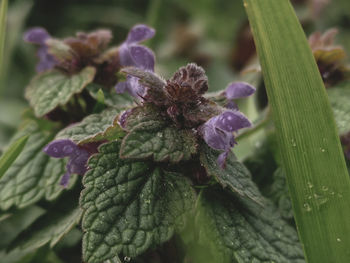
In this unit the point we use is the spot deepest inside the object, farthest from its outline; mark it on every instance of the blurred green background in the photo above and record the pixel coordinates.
(213, 33)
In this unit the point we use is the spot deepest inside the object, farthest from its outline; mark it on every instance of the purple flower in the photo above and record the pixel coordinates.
(77, 157)
(39, 36)
(217, 132)
(132, 86)
(237, 90)
(131, 53)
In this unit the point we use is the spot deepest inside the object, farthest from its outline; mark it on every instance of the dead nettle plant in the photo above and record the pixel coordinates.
(137, 163)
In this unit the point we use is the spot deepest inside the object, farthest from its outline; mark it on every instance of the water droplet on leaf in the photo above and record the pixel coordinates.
(307, 207)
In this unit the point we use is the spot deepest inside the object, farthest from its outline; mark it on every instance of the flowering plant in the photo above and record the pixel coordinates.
(136, 167)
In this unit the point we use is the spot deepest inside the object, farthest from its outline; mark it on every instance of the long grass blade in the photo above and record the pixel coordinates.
(3, 16)
(311, 152)
(11, 154)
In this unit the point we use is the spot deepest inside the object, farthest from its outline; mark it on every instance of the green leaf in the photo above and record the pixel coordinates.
(339, 99)
(48, 230)
(3, 18)
(111, 98)
(100, 102)
(34, 174)
(130, 206)
(309, 142)
(261, 163)
(93, 128)
(242, 231)
(278, 192)
(235, 175)
(11, 154)
(161, 142)
(54, 88)
(141, 114)
(18, 221)
(113, 260)
(10, 228)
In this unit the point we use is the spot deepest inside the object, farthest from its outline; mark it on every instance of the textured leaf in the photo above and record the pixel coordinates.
(114, 260)
(339, 99)
(11, 154)
(130, 206)
(48, 229)
(10, 228)
(34, 174)
(242, 231)
(148, 79)
(236, 176)
(95, 127)
(17, 222)
(111, 98)
(159, 141)
(141, 114)
(53, 88)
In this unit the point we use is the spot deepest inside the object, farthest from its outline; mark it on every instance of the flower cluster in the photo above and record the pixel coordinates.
(91, 49)
(72, 54)
(181, 100)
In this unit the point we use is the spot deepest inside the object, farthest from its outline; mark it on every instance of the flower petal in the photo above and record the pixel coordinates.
(65, 179)
(121, 87)
(125, 58)
(215, 138)
(231, 121)
(60, 148)
(36, 35)
(132, 86)
(142, 57)
(239, 90)
(140, 33)
(46, 61)
(222, 159)
(78, 162)
(231, 105)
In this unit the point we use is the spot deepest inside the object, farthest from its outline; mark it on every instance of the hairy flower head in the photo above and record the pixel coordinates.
(180, 99)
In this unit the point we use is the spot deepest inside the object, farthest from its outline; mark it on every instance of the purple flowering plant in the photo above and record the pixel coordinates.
(142, 146)
(151, 161)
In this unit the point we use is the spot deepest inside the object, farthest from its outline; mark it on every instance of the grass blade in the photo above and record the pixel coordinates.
(12, 153)
(317, 178)
(3, 16)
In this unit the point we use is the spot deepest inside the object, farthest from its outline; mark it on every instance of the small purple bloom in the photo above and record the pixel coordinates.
(78, 157)
(39, 36)
(133, 54)
(132, 86)
(217, 132)
(237, 90)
